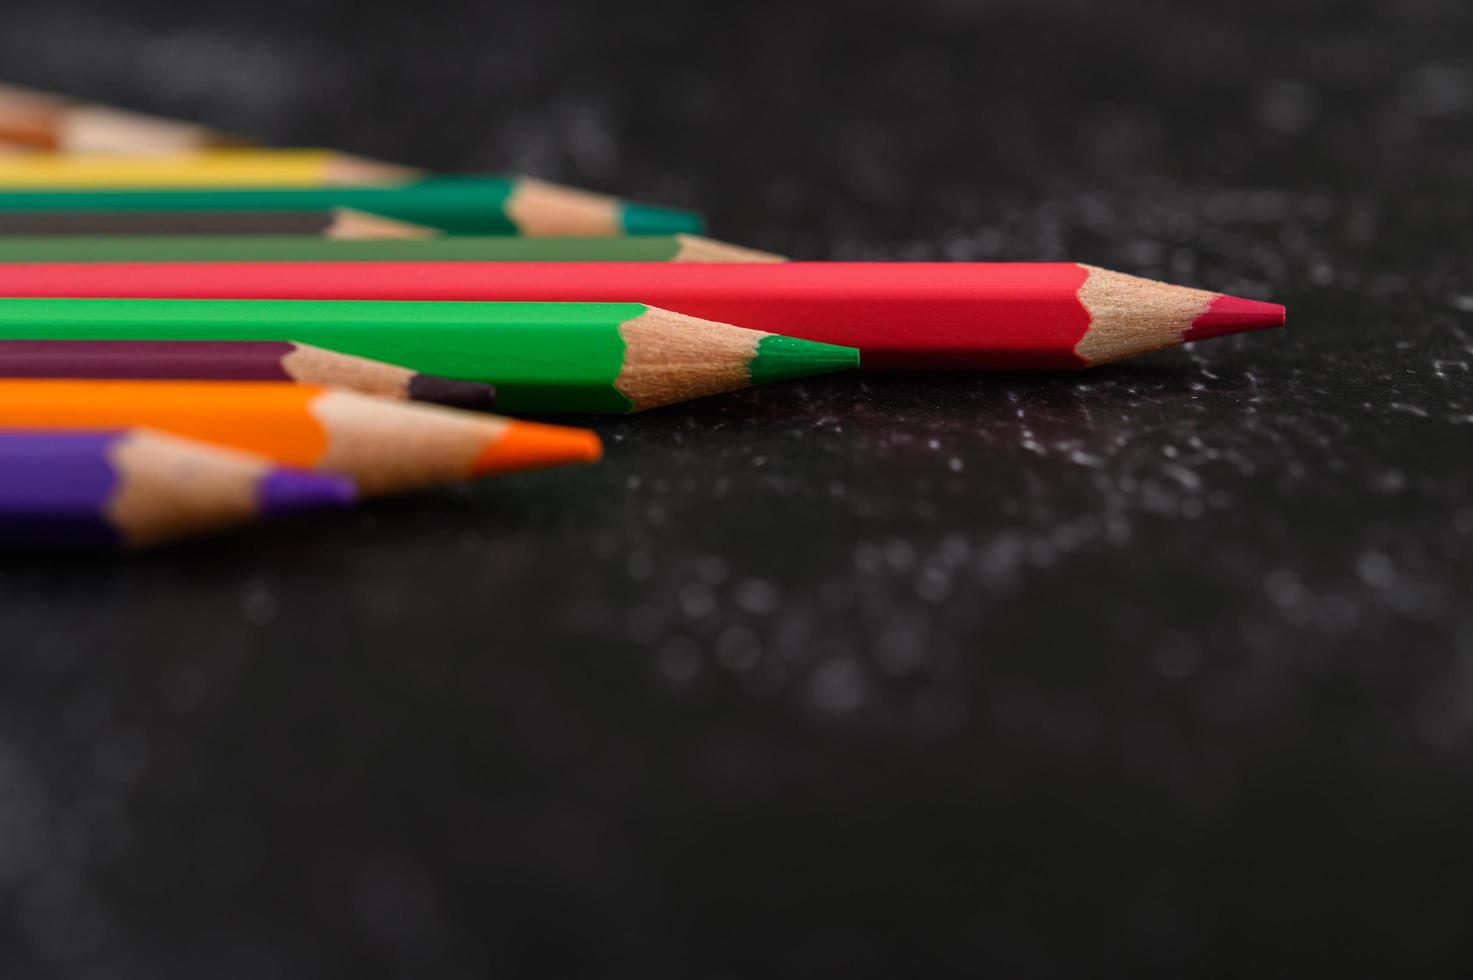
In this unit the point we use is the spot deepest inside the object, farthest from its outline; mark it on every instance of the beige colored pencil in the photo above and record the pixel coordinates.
(43, 121)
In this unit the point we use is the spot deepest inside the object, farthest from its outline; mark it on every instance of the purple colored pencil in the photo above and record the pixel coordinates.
(234, 360)
(135, 488)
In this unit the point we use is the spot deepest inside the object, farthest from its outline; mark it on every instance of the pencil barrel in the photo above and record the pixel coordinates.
(139, 488)
(306, 248)
(479, 204)
(940, 316)
(602, 358)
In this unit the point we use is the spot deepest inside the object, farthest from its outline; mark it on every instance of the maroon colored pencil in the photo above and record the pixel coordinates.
(341, 223)
(233, 360)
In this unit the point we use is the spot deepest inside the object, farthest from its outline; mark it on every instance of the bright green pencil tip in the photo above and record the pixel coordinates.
(788, 357)
(646, 219)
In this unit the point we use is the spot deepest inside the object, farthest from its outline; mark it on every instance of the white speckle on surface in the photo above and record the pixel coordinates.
(738, 648)
(640, 564)
(645, 623)
(1014, 701)
(229, 851)
(1187, 478)
(697, 600)
(1178, 658)
(1284, 588)
(395, 899)
(1444, 717)
(868, 558)
(933, 584)
(756, 596)
(1287, 105)
(258, 603)
(1082, 458)
(60, 915)
(900, 649)
(120, 754)
(1375, 569)
(899, 554)
(837, 687)
(678, 660)
(182, 686)
(711, 569)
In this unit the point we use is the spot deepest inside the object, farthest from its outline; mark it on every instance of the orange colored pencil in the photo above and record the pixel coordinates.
(384, 445)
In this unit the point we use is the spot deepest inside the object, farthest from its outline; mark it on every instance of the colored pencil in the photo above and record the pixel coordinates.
(542, 357)
(900, 315)
(214, 168)
(136, 488)
(41, 120)
(383, 445)
(335, 223)
(305, 248)
(463, 204)
(234, 360)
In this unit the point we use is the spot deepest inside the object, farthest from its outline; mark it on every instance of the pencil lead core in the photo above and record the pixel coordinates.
(646, 219)
(532, 445)
(781, 357)
(1229, 315)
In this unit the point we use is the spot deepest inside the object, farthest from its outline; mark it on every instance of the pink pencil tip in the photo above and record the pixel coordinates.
(1229, 314)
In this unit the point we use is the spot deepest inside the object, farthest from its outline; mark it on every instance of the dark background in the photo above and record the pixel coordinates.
(1163, 668)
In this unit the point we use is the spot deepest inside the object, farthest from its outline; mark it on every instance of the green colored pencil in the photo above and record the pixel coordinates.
(542, 357)
(312, 248)
(458, 204)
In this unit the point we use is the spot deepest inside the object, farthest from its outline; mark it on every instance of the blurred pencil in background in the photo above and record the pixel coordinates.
(306, 248)
(383, 445)
(234, 360)
(343, 224)
(213, 168)
(461, 204)
(137, 488)
(42, 121)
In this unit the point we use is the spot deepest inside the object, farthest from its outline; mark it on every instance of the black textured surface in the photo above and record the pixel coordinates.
(1167, 667)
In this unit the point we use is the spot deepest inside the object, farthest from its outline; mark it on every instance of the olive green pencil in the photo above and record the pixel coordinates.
(608, 358)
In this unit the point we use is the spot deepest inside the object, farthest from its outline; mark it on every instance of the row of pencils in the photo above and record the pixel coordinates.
(196, 332)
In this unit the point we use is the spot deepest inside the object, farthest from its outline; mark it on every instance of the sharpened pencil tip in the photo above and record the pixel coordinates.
(532, 445)
(1229, 315)
(781, 357)
(646, 219)
(285, 490)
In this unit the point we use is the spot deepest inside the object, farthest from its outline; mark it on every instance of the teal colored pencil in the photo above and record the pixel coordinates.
(457, 204)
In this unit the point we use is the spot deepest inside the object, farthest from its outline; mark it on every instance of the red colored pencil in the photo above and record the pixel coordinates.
(900, 315)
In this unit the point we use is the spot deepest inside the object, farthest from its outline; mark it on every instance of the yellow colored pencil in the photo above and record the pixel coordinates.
(213, 168)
